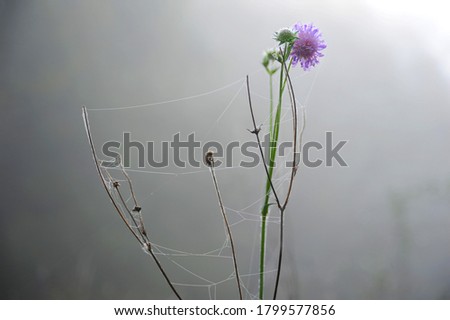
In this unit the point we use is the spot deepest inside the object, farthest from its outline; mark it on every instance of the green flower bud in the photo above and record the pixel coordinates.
(268, 57)
(285, 35)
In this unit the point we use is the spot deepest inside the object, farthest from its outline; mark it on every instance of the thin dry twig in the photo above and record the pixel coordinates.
(291, 180)
(137, 208)
(295, 134)
(140, 234)
(256, 131)
(209, 160)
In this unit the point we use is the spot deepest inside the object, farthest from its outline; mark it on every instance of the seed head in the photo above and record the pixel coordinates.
(209, 158)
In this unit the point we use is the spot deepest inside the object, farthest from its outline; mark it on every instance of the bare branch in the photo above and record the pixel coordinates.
(256, 131)
(291, 180)
(295, 134)
(209, 160)
(142, 242)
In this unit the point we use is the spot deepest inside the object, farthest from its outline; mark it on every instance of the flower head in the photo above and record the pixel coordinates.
(306, 48)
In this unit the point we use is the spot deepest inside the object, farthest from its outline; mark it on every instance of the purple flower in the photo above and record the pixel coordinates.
(306, 49)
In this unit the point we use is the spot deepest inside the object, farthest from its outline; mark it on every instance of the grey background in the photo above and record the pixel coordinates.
(375, 230)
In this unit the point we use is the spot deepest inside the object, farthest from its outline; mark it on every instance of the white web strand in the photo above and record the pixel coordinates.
(152, 104)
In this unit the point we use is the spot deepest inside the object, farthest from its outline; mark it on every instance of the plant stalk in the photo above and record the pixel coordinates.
(273, 142)
(227, 225)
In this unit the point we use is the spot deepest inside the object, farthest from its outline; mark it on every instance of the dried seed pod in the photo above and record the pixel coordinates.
(209, 158)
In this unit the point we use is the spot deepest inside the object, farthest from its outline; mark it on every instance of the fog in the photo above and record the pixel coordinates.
(377, 229)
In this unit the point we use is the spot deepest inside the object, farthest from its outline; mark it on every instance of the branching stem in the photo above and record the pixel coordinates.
(140, 236)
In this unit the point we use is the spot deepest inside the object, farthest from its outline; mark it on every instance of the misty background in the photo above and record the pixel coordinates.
(378, 229)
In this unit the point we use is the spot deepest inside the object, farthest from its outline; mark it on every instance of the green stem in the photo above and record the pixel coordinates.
(265, 208)
(271, 105)
(262, 257)
(273, 141)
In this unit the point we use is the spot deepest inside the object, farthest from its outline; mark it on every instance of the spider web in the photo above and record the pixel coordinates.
(199, 268)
